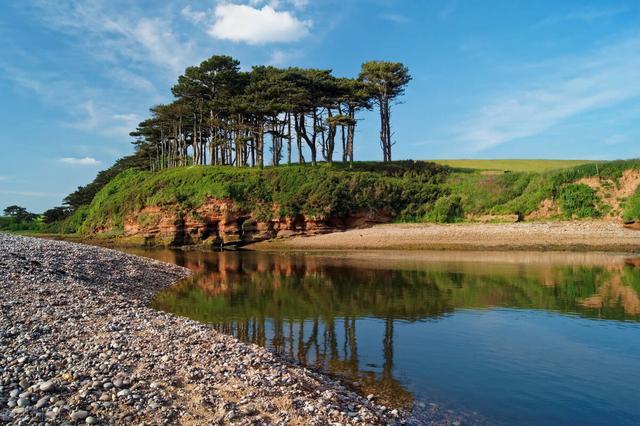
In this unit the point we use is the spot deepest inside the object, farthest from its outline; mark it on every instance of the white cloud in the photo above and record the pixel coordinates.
(85, 161)
(243, 23)
(5, 178)
(593, 82)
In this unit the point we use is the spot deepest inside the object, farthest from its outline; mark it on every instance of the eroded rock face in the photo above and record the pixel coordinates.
(218, 222)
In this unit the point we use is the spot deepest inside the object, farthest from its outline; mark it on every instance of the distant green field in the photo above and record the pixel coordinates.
(513, 165)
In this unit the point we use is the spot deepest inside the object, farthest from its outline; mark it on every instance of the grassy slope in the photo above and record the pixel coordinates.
(522, 193)
(409, 191)
(519, 165)
(326, 190)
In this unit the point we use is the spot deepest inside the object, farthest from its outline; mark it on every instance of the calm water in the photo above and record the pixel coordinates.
(526, 338)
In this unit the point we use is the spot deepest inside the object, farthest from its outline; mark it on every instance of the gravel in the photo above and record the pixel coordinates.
(80, 345)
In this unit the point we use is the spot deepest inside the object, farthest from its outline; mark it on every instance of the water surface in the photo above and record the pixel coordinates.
(501, 338)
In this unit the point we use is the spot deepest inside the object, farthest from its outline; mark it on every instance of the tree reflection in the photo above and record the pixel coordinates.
(309, 308)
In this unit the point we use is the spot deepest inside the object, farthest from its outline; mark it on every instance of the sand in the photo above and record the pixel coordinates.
(574, 236)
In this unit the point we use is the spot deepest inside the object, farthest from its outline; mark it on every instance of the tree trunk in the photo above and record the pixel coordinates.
(289, 139)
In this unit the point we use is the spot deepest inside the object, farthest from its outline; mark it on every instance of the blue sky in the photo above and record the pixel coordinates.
(491, 79)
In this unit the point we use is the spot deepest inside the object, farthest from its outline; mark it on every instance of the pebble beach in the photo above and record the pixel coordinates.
(81, 346)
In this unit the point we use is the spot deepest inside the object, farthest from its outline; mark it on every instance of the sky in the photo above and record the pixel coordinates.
(491, 78)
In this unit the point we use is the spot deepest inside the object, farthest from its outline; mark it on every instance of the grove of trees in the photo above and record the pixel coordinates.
(224, 116)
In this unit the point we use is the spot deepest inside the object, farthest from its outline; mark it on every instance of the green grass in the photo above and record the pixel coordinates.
(513, 165)
(323, 191)
(407, 191)
(632, 208)
(522, 192)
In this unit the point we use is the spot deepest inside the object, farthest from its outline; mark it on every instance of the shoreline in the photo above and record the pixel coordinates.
(80, 344)
(580, 236)
(575, 236)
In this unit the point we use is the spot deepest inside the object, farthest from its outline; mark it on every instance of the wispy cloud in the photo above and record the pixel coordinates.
(281, 57)
(393, 17)
(565, 89)
(194, 16)
(132, 80)
(585, 15)
(247, 24)
(126, 44)
(104, 27)
(297, 4)
(617, 139)
(448, 9)
(85, 161)
(89, 121)
(5, 178)
(77, 99)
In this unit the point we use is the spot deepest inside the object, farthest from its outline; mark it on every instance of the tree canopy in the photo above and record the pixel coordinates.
(20, 214)
(386, 81)
(222, 115)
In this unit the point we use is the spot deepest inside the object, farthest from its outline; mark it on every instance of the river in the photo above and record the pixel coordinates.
(497, 338)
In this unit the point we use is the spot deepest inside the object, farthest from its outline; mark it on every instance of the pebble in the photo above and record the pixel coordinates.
(79, 415)
(42, 402)
(48, 386)
(75, 321)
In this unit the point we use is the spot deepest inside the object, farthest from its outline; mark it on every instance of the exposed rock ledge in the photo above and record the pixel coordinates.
(79, 344)
(218, 222)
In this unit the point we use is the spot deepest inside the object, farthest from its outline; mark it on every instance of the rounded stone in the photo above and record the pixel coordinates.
(124, 392)
(42, 402)
(47, 386)
(79, 415)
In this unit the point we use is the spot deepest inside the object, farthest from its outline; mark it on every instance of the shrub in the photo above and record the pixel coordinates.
(447, 209)
(56, 214)
(579, 201)
(632, 208)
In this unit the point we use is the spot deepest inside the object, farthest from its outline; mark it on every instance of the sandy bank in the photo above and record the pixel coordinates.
(79, 344)
(581, 236)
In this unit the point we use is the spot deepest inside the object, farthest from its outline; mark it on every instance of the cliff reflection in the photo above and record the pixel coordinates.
(318, 309)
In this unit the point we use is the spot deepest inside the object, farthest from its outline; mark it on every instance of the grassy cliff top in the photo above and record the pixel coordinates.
(408, 191)
(513, 165)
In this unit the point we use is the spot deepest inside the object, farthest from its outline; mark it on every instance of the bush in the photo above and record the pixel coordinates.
(447, 209)
(632, 208)
(56, 214)
(578, 201)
